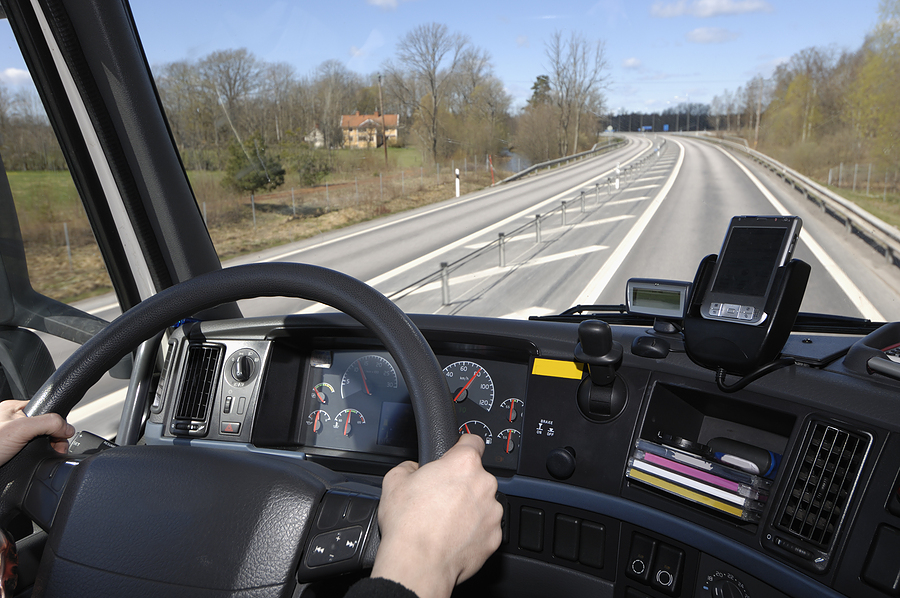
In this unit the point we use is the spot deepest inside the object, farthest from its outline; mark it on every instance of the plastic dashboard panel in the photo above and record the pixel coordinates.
(556, 522)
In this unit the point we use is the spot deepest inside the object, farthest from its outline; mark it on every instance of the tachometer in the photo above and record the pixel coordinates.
(468, 380)
(368, 375)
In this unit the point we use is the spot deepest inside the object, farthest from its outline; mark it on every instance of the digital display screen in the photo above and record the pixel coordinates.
(656, 299)
(749, 260)
(397, 426)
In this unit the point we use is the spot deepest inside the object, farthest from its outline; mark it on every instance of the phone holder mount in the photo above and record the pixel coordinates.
(741, 349)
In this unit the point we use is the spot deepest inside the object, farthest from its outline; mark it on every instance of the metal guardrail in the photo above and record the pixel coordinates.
(855, 219)
(594, 150)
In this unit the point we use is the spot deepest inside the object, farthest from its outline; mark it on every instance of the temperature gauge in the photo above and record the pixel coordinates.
(322, 391)
(512, 409)
(346, 419)
(509, 439)
(477, 427)
(317, 419)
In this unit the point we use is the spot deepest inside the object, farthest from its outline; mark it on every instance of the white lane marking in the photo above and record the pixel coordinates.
(488, 193)
(497, 270)
(469, 238)
(80, 414)
(865, 307)
(530, 237)
(605, 274)
(642, 187)
(524, 314)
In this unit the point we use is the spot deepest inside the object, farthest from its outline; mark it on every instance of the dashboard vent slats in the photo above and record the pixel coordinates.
(829, 468)
(200, 376)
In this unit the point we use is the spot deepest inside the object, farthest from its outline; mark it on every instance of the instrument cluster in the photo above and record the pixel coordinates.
(357, 401)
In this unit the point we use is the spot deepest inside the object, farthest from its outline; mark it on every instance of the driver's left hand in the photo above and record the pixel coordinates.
(17, 429)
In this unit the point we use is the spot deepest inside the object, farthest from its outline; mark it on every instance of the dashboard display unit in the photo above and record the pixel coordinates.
(754, 248)
(659, 298)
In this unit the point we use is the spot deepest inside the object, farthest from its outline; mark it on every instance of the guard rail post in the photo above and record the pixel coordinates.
(537, 228)
(597, 192)
(563, 213)
(445, 284)
(501, 240)
(582, 202)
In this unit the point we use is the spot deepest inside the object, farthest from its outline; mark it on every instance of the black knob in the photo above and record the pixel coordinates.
(595, 337)
(561, 463)
(242, 368)
(724, 588)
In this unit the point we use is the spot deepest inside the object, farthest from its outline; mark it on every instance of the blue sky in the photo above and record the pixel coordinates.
(660, 52)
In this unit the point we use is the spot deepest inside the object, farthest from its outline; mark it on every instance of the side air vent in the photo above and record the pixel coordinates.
(820, 494)
(201, 374)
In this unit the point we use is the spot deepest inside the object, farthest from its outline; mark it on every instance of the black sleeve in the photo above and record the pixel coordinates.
(378, 587)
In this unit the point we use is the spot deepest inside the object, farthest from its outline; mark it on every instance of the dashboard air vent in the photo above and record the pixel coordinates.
(200, 375)
(830, 464)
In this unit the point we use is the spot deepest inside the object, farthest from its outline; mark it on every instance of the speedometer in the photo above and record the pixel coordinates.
(468, 380)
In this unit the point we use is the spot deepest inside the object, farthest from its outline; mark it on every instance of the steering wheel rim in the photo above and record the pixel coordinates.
(435, 420)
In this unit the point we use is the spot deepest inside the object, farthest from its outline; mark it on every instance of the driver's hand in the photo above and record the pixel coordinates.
(17, 429)
(439, 522)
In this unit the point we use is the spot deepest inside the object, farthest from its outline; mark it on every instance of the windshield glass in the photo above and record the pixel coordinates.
(366, 137)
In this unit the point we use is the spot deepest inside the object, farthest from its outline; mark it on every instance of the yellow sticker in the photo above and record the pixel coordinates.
(557, 369)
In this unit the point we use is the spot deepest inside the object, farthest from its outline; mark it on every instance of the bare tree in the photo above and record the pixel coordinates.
(578, 72)
(431, 56)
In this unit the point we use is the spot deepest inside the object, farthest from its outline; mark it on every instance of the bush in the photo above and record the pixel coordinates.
(249, 169)
(313, 167)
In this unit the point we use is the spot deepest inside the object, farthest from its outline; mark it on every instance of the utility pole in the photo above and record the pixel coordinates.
(383, 127)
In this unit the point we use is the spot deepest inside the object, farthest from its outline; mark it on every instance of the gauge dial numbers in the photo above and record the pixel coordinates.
(317, 420)
(479, 428)
(367, 375)
(468, 380)
(509, 440)
(347, 420)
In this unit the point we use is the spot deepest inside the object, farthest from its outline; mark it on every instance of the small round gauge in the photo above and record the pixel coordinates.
(476, 427)
(317, 419)
(347, 419)
(368, 375)
(512, 409)
(509, 439)
(468, 380)
(321, 392)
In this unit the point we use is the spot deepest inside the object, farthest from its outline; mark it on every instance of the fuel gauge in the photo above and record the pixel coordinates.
(476, 427)
(322, 391)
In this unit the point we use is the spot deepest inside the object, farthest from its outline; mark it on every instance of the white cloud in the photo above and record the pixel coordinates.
(522, 41)
(632, 63)
(710, 35)
(14, 76)
(385, 4)
(708, 8)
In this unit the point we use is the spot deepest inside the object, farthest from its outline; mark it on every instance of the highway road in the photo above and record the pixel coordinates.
(659, 223)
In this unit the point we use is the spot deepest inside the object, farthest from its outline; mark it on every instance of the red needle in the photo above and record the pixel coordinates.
(466, 426)
(463, 389)
(511, 405)
(346, 423)
(363, 374)
(318, 394)
(508, 438)
(316, 423)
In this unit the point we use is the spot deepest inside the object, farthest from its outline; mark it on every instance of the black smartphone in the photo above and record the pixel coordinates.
(754, 248)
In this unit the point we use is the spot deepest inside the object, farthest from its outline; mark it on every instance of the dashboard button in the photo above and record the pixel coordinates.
(593, 539)
(666, 574)
(333, 508)
(333, 547)
(565, 538)
(230, 428)
(531, 529)
(640, 558)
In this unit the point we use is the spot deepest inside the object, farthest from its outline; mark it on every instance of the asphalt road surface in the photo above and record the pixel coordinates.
(664, 217)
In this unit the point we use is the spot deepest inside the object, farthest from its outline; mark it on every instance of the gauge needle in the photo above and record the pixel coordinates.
(508, 438)
(463, 389)
(346, 423)
(316, 423)
(363, 374)
(511, 405)
(320, 395)
(466, 426)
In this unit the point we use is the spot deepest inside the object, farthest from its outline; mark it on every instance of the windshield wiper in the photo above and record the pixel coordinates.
(805, 322)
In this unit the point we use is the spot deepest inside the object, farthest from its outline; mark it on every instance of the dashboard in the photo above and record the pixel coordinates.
(637, 505)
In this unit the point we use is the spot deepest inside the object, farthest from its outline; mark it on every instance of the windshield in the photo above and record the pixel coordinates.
(366, 137)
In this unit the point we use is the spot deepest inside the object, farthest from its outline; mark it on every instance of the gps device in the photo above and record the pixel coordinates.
(660, 298)
(754, 248)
